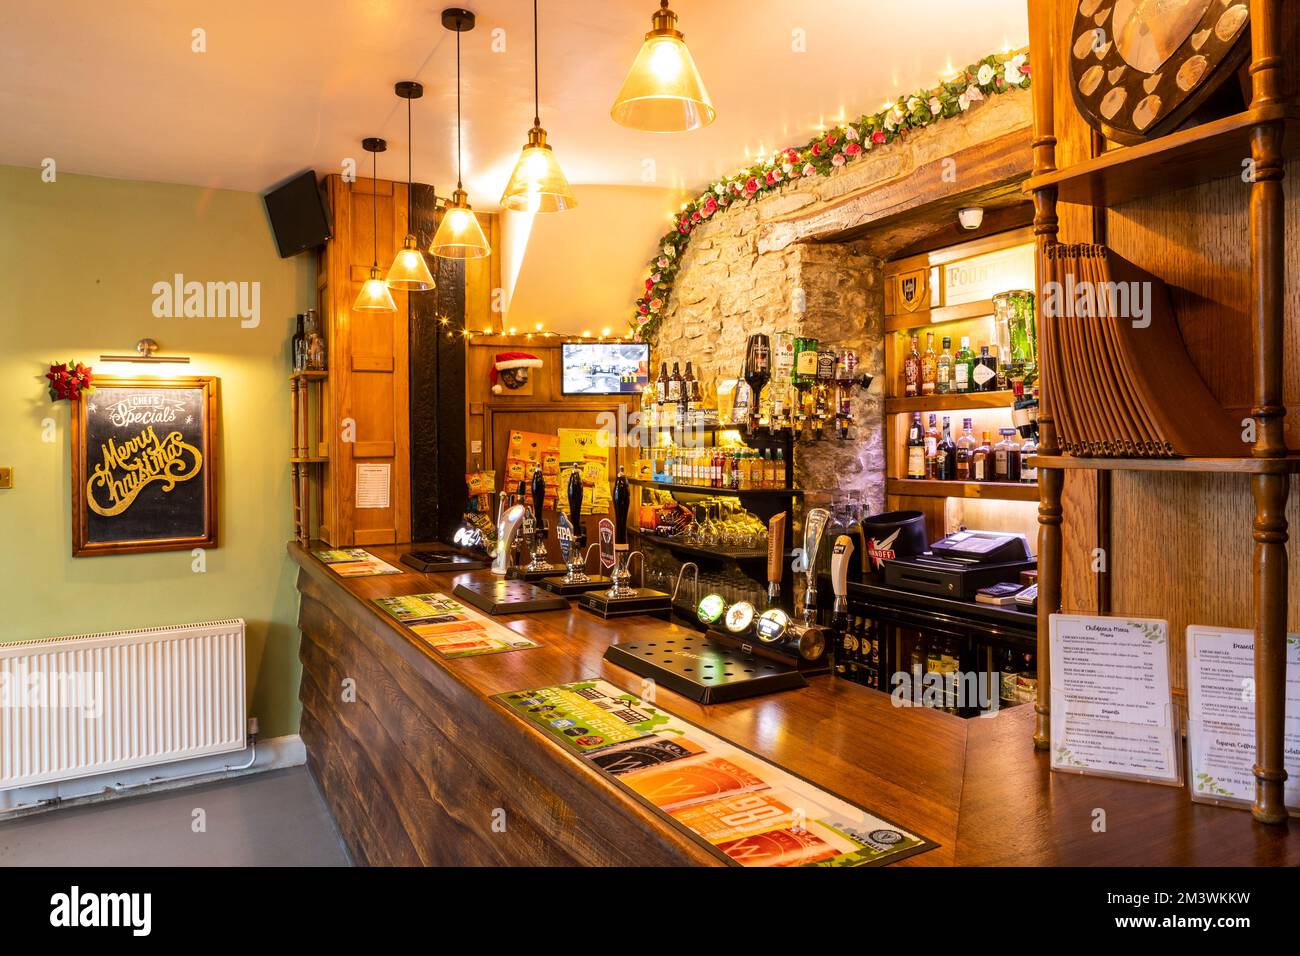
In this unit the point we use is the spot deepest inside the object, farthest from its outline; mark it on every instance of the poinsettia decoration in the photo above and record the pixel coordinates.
(830, 151)
(68, 380)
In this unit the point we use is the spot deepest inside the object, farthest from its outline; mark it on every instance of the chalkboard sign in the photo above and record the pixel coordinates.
(144, 466)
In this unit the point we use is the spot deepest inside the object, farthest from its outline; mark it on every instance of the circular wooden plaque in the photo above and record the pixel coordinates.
(1139, 68)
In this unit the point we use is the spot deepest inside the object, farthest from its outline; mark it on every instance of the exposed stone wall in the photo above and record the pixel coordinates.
(744, 271)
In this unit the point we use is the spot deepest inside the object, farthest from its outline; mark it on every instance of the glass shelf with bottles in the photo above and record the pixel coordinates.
(933, 454)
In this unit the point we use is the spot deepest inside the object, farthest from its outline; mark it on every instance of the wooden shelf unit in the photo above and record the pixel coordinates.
(309, 452)
(945, 504)
(1261, 137)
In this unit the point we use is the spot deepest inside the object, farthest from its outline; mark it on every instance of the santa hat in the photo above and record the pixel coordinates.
(507, 360)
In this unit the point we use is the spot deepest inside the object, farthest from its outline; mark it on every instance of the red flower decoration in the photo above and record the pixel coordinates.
(751, 185)
(878, 137)
(68, 380)
(817, 149)
(852, 149)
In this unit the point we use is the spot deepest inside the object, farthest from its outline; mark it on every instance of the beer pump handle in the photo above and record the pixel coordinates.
(622, 498)
(775, 551)
(575, 501)
(539, 495)
(814, 529)
(840, 557)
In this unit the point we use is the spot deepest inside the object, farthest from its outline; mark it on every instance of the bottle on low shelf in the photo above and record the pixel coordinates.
(916, 448)
(1028, 472)
(1006, 457)
(961, 366)
(981, 461)
(929, 366)
(947, 453)
(965, 451)
(932, 448)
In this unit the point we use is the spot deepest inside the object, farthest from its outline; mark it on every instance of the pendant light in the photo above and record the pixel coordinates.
(409, 272)
(663, 91)
(537, 184)
(459, 235)
(374, 296)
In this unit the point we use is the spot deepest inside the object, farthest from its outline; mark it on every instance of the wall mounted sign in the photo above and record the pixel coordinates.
(1112, 709)
(1140, 69)
(912, 290)
(144, 466)
(1221, 716)
(745, 809)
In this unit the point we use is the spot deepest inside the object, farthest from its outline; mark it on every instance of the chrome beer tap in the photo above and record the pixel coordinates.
(814, 530)
(620, 577)
(539, 564)
(569, 530)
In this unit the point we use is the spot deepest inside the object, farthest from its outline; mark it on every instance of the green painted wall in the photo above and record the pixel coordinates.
(78, 259)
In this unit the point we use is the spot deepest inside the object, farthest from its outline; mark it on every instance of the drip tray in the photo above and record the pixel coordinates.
(495, 596)
(702, 669)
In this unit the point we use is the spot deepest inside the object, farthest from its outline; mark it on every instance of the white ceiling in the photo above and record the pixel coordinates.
(113, 89)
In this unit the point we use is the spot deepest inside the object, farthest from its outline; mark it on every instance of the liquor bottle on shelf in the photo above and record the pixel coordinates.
(932, 448)
(961, 366)
(1006, 456)
(741, 400)
(673, 395)
(981, 460)
(912, 370)
(943, 369)
(686, 403)
(929, 366)
(916, 448)
(780, 470)
(661, 385)
(965, 451)
(315, 355)
(299, 346)
(804, 373)
(947, 453)
(984, 373)
(999, 363)
(1028, 472)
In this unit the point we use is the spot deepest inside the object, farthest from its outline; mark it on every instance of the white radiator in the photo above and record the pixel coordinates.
(72, 706)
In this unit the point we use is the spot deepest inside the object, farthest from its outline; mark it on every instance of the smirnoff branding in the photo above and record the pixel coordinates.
(881, 551)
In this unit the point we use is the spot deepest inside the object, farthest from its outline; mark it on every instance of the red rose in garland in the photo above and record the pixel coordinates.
(68, 380)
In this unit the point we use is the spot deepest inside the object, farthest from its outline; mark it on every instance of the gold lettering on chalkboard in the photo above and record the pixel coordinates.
(145, 458)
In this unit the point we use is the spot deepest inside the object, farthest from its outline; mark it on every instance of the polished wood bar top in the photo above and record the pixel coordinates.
(976, 787)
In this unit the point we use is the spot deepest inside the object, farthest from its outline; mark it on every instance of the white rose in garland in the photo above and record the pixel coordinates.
(985, 75)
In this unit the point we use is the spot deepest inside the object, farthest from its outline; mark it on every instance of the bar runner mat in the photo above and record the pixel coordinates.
(449, 627)
(746, 809)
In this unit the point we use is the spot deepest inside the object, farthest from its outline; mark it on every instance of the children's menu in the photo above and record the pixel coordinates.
(750, 811)
(449, 627)
(356, 563)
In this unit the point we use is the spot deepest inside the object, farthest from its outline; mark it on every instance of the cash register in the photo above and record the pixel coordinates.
(960, 564)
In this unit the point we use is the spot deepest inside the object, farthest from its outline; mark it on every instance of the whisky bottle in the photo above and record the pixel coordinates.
(943, 369)
(966, 446)
(912, 370)
(947, 453)
(932, 448)
(1006, 456)
(929, 366)
(981, 464)
(916, 448)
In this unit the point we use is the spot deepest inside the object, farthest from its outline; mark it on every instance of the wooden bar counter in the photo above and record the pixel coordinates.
(420, 766)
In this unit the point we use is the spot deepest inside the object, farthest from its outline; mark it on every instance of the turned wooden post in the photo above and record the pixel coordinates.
(1267, 274)
(1050, 480)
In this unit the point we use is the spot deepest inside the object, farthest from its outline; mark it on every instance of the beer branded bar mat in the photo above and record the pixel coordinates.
(748, 810)
(355, 563)
(449, 627)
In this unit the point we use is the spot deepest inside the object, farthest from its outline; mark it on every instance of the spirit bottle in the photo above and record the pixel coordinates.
(932, 448)
(299, 346)
(984, 373)
(661, 384)
(1006, 456)
(1028, 473)
(804, 373)
(947, 453)
(673, 393)
(912, 371)
(943, 369)
(981, 461)
(686, 402)
(916, 448)
(966, 446)
(961, 367)
(929, 366)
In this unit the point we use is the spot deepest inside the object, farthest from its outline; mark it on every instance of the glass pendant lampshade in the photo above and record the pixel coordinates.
(409, 272)
(459, 236)
(374, 296)
(538, 184)
(663, 91)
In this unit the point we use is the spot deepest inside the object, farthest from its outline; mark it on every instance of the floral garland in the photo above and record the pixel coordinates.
(997, 73)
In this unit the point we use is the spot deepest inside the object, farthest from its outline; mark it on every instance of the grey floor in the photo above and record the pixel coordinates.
(264, 819)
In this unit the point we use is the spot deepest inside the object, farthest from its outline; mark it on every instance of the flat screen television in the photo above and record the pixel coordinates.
(599, 368)
(298, 215)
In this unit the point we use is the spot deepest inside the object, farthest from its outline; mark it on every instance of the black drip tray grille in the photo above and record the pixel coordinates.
(495, 596)
(702, 669)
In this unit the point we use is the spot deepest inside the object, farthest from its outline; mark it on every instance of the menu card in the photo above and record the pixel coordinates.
(356, 563)
(748, 810)
(1221, 716)
(1112, 713)
(449, 627)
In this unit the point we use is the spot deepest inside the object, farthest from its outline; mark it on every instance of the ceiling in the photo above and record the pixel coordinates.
(114, 89)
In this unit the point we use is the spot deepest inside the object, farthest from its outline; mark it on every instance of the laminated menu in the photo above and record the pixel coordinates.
(1221, 716)
(1111, 706)
(356, 563)
(449, 627)
(746, 809)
